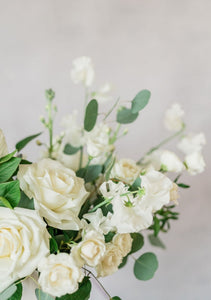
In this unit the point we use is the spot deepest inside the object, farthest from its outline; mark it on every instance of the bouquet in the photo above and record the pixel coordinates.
(80, 210)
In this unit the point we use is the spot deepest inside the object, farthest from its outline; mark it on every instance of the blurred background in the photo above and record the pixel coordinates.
(160, 45)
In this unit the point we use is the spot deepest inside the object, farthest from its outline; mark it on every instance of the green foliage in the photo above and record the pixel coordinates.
(7, 293)
(92, 172)
(140, 101)
(145, 266)
(126, 116)
(91, 115)
(18, 293)
(53, 246)
(70, 150)
(20, 145)
(115, 298)
(42, 296)
(136, 184)
(83, 293)
(26, 202)
(123, 263)
(138, 242)
(11, 192)
(49, 94)
(184, 186)
(108, 167)
(7, 157)
(109, 236)
(8, 168)
(156, 241)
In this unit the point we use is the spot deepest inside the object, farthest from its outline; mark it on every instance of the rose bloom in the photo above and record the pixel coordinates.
(123, 242)
(90, 250)
(173, 118)
(24, 240)
(126, 170)
(59, 275)
(110, 261)
(58, 193)
(3, 145)
(83, 71)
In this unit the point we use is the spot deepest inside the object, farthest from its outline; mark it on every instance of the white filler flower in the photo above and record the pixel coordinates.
(192, 143)
(59, 274)
(58, 193)
(24, 241)
(83, 71)
(3, 145)
(173, 118)
(195, 163)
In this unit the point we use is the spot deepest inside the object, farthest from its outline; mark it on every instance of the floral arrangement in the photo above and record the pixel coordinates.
(78, 212)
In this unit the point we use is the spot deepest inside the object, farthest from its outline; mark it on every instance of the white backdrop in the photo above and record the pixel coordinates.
(162, 45)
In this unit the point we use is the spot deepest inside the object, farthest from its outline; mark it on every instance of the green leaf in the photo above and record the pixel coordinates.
(145, 266)
(7, 157)
(116, 298)
(109, 236)
(20, 145)
(92, 172)
(81, 172)
(136, 184)
(42, 296)
(4, 202)
(53, 246)
(140, 101)
(156, 226)
(123, 263)
(184, 186)
(125, 116)
(6, 294)
(156, 241)
(91, 115)
(70, 150)
(8, 168)
(83, 293)
(26, 202)
(11, 192)
(138, 242)
(18, 293)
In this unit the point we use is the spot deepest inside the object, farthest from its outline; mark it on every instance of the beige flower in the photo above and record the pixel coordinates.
(126, 170)
(123, 242)
(174, 195)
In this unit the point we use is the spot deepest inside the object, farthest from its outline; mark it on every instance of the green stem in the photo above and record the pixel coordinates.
(107, 201)
(114, 137)
(50, 128)
(81, 158)
(165, 141)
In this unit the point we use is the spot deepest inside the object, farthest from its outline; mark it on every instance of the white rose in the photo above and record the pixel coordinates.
(90, 250)
(83, 71)
(173, 118)
(195, 163)
(110, 261)
(59, 275)
(123, 242)
(97, 140)
(192, 143)
(3, 145)
(126, 170)
(24, 240)
(58, 193)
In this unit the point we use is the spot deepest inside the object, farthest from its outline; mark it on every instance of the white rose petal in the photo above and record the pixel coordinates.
(58, 193)
(59, 274)
(173, 118)
(195, 163)
(83, 71)
(24, 240)
(126, 170)
(192, 143)
(3, 145)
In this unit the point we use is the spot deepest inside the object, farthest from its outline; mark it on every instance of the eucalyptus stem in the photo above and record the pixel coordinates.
(100, 284)
(165, 141)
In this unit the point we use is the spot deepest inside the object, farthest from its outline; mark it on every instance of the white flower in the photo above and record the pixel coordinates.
(110, 189)
(90, 250)
(195, 163)
(83, 71)
(3, 145)
(126, 170)
(98, 221)
(110, 261)
(123, 242)
(102, 95)
(173, 118)
(59, 274)
(97, 140)
(58, 193)
(24, 240)
(164, 158)
(192, 143)
(174, 195)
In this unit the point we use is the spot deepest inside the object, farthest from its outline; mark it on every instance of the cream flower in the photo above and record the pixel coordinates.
(126, 170)
(110, 261)
(174, 195)
(58, 193)
(192, 143)
(123, 242)
(3, 145)
(173, 118)
(24, 240)
(83, 71)
(90, 250)
(59, 274)
(195, 163)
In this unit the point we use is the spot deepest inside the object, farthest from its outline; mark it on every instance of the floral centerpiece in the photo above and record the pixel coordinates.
(78, 212)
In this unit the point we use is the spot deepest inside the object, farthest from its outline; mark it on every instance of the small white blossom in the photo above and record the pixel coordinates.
(192, 143)
(173, 118)
(102, 95)
(195, 163)
(83, 71)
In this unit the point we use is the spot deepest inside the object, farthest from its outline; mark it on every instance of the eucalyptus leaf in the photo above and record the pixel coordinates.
(140, 101)
(125, 116)
(83, 293)
(92, 172)
(184, 186)
(11, 192)
(42, 296)
(26, 202)
(138, 242)
(8, 168)
(20, 145)
(7, 157)
(156, 241)
(136, 184)
(91, 115)
(145, 266)
(18, 293)
(70, 150)
(6, 294)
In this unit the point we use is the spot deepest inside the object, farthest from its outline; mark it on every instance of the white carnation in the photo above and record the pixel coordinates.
(192, 143)
(59, 274)
(195, 163)
(173, 118)
(24, 240)
(3, 145)
(83, 71)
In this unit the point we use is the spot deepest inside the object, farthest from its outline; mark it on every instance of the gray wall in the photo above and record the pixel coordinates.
(162, 45)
